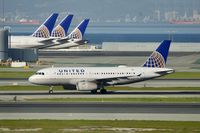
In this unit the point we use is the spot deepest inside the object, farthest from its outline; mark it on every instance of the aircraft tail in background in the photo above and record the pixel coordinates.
(62, 28)
(79, 31)
(44, 31)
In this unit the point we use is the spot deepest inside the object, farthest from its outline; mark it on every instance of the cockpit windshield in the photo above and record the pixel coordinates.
(39, 73)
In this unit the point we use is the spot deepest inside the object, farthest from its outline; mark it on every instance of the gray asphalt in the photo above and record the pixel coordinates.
(64, 54)
(149, 83)
(100, 107)
(101, 116)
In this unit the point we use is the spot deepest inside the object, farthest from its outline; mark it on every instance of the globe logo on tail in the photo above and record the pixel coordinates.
(76, 35)
(155, 60)
(42, 32)
(58, 32)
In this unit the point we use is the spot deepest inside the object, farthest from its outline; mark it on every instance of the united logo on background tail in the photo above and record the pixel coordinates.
(79, 31)
(159, 57)
(62, 28)
(46, 28)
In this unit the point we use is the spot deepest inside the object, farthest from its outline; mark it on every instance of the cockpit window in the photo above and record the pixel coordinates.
(39, 73)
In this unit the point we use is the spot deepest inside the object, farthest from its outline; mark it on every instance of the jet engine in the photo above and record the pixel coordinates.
(86, 86)
(69, 87)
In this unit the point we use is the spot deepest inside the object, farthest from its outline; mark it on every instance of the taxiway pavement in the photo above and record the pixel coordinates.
(101, 111)
(99, 107)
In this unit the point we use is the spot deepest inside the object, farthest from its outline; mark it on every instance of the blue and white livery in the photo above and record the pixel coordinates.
(159, 57)
(95, 78)
(39, 38)
(44, 31)
(75, 38)
(79, 31)
(62, 28)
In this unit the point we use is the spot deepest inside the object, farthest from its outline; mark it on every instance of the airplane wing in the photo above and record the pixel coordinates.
(46, 43)
(81, 42)
(122, 77)
(68, 40)
(63, 40)
(49, 40)
(107, 80)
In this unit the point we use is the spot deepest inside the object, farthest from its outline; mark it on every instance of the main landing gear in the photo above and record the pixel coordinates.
(94, 91)
(102, 91)
(51, 90)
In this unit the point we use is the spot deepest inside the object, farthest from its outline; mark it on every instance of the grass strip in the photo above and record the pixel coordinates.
(37, 88)
(182, 75)
(117, 100)
(13, 74)
(27, 88)
(102, 126)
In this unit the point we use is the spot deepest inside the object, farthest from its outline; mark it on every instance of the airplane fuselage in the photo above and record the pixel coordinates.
(106, 75)
(40, 43)
(94, 78)
(26, 41)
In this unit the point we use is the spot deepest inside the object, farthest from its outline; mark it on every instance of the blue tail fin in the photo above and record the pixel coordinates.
(62, 28)
(79, 31)
(46, 28)
(159, 57)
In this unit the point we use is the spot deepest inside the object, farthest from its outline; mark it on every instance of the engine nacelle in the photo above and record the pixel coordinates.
(86, 86)
(69, 87)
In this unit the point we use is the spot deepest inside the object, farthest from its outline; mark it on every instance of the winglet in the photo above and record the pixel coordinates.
(46, 28)
(62, 28)
(159, 57)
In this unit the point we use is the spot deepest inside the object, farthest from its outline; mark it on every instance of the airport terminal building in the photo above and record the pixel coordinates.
(27, 55)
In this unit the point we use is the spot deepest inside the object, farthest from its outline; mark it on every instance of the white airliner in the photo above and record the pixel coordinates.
(96, 78)
(42, 34)
(47, 37)
(74, 39)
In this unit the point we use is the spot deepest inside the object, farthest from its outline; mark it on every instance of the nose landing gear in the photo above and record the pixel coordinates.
(102, 91)
(51, 90)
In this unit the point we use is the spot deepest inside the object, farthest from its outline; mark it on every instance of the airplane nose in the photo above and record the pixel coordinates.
(35, 79)
(31, 79)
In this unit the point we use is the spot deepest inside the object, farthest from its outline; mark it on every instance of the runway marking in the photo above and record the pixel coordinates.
(100, 116)
(20, 130)
(107, 128)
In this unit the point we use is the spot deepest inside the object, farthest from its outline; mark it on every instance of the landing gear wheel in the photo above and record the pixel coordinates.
(103, 91)
(93, 91)
(51, 90)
